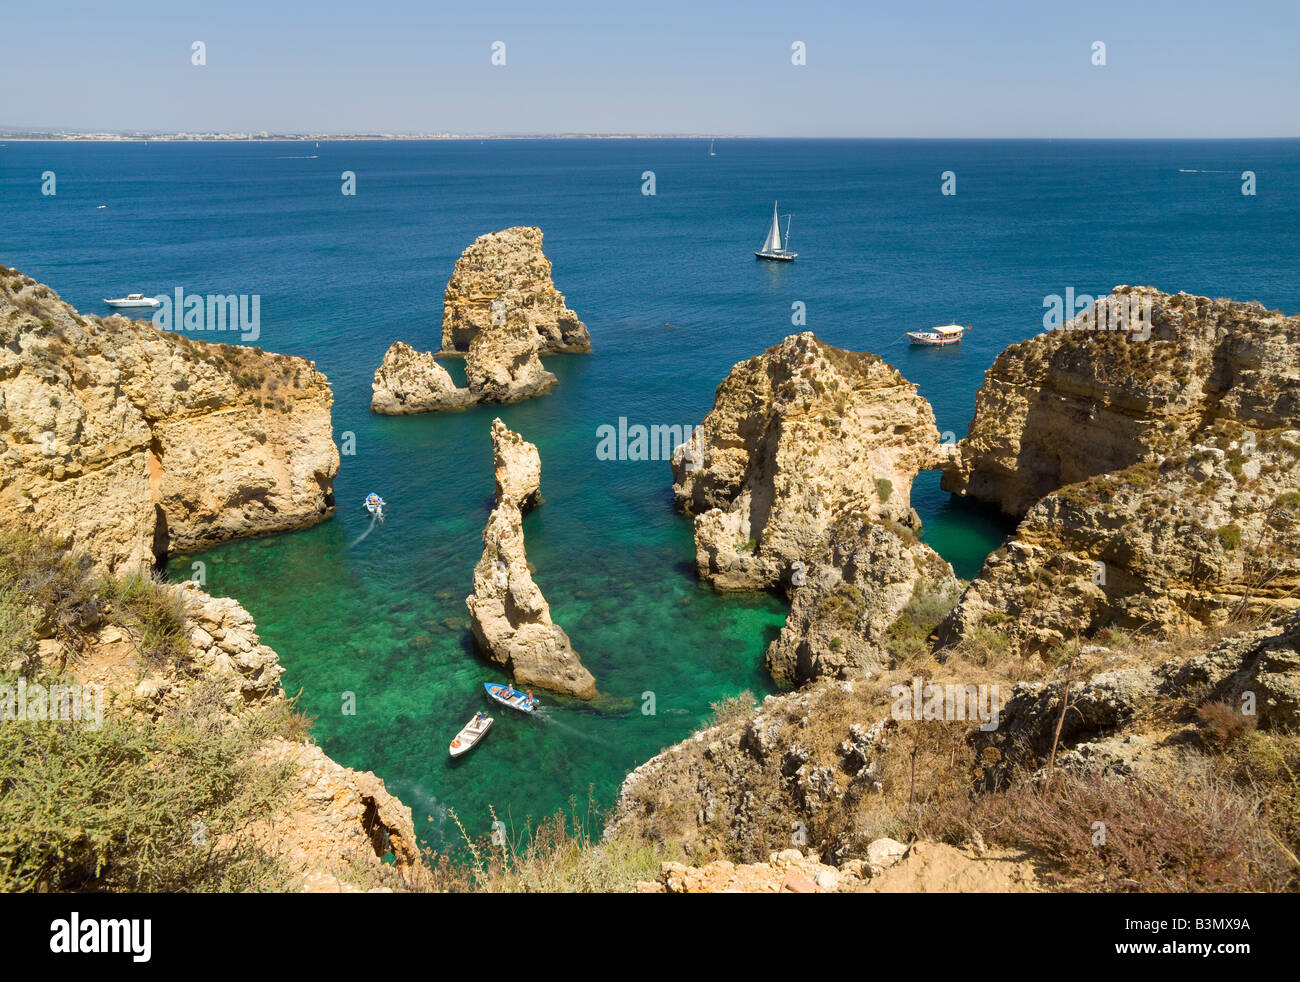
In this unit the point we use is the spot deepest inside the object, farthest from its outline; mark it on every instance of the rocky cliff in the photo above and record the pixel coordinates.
(503, 273)
(799, 439)
(132, 442)
(331, 828)
(510, 618)
(1158, 476)
(1091, 398)
(845, 603)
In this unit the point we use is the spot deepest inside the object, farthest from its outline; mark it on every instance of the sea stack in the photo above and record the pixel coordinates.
(131, 442)
(800, 438)
(504, 272)
(410, 381)
(510, 618)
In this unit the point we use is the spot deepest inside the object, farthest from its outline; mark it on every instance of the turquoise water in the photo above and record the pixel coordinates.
(672, 296)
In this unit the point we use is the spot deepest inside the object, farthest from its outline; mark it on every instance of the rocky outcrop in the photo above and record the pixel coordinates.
(334, 823)
(1156, 466)
(845, 602)
(517, 466)
(510, 618)
(891, 867)
(1119, 386)
(1206, 535)
(502, 364)
(1137, 719)
(502, 274)
(132, 442)
(799, 439)
(410, 381)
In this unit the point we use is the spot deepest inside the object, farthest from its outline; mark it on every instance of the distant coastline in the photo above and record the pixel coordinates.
(21, 135)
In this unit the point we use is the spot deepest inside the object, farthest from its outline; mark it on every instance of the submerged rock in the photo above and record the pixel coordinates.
(503, 273)
(132, 442)
(510, 618)
(410, 381)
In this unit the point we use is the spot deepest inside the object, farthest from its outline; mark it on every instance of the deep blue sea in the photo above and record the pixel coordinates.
(672, 295)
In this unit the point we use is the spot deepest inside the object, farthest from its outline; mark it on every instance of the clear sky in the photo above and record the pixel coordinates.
(931, 68)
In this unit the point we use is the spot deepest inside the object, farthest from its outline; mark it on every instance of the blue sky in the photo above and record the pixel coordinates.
(929, 68)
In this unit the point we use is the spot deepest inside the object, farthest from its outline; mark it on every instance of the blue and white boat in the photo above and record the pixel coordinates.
(512, 697)
(375, 505)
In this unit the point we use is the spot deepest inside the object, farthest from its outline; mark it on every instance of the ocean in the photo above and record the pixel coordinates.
(673, 297)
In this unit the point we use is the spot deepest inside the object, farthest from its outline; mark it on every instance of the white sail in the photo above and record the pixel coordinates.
(773, 241)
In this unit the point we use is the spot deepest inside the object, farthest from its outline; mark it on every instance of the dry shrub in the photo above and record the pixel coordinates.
(1202, 837)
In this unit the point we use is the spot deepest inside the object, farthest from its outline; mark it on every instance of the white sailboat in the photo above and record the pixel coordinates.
(773, 248)
(712, 152)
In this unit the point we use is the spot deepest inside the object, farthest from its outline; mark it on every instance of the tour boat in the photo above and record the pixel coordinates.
(772, 245)
(471, 733)
(134, 300)
(946, 334)
(375, 505)
(511, 697)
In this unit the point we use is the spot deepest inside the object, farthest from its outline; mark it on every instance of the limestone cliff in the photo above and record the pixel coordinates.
(1158, 476)
(510, 618)
(843, 605)
(799, 438)
(1070, 404)
(131, 442)
(410, 381)
(502, 273)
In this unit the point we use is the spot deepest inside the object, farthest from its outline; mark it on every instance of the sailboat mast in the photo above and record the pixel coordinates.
(787, 231)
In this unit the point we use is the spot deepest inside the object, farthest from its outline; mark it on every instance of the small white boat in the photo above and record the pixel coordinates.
(945, 334)
(773, 248)
(471, 733)
(375, 505)
(712, 152)
(134, 300)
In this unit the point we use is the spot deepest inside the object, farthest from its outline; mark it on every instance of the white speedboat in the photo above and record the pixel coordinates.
(134, 300)
(471, 733)
(945, 334)
(773, 247)
(375, 505)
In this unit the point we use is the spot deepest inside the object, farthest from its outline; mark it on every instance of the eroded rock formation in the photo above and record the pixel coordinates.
(506, 273)
(410, 381)
(502, 364)
(510, 618)
(1158, 476)
(799, 439)
(131, 442)
(845, 602)
(334, 824)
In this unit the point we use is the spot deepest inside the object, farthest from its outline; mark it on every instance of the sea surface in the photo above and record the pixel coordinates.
(673, 297)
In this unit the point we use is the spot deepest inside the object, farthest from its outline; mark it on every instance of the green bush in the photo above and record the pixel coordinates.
(134, 806)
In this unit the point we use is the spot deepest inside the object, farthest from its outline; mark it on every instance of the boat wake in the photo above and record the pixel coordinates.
(374, 519)
(544, 715)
